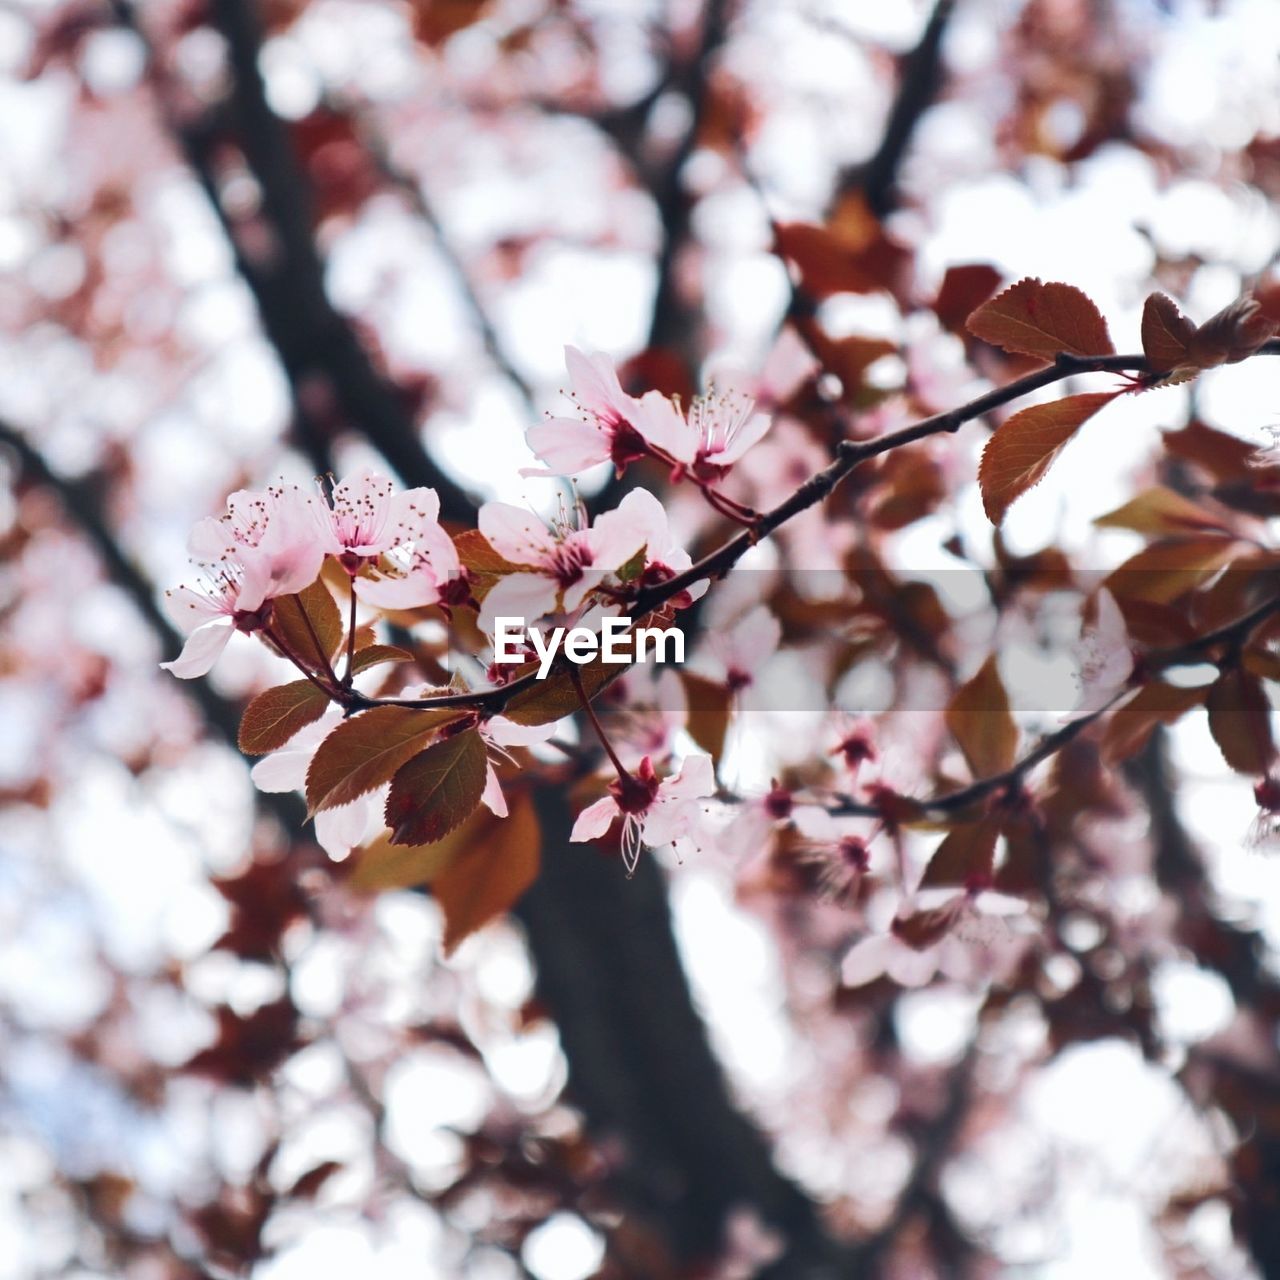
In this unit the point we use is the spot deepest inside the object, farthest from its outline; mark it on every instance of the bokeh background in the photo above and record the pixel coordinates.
(250, 238)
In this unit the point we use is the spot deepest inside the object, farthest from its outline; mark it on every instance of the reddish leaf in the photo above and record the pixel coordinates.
(981, 722)
(1240, 721)
(963, 290)
(1045, 320)
(1166, 334)
(1235, 333)
(1224, 456)
(306, 1187)
(1024, 447)
(851, 255)
(437, 789)
(366, 751)
(275, 715)
(309, 625)
(1155, 703)
(967, 852)
(489, 876)
(374, 654)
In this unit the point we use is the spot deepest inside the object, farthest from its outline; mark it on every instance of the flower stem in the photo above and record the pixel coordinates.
(576, 678)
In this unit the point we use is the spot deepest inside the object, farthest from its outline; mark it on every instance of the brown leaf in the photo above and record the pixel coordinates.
(967, 852)
(1240, 721)
(980, 721)
(437, 789)
(309, 625)
(1155, 703)
(1235, 333)
(383, 865)
(1024, 447)
(275, 715)
(373, 655)
(366, 751)
(1167, 570)
(1045, 320)
(489, 876)
(852, 255)
(710, 705)
(309, 1183)
(1161, 512)
(1166, 334)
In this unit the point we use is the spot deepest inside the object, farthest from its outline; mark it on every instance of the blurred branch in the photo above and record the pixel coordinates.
(640, 1066)
(412, 189)
(671, 323)
(82, 503)
(316, 344)
(1240, 956)
(921, 78)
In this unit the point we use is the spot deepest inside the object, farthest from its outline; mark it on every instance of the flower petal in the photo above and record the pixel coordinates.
(202, 650)
(594, 820)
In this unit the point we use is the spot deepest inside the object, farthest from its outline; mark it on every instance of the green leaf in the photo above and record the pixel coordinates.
(365, 751)
(275, 715)
(437, 789)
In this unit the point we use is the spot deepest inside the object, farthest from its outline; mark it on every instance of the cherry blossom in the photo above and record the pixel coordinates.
(391, 543)
(840, 854)
(611, 427)
(718, 429)
(499, 733)
(1105, 657)
(941, 930)
(654, 812)
(733, 655)
(561, 563)
(266, 551)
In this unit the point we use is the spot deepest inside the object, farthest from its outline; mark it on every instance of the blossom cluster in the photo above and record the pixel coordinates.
(390, 550)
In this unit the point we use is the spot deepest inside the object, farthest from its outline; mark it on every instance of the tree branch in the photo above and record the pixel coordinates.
(921, 78)
(316, 345)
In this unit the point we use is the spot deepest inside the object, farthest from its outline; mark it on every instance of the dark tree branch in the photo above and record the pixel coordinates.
(639, 1063)
(317, 346)
(1240, 955)
(921, 78)
(671, 324)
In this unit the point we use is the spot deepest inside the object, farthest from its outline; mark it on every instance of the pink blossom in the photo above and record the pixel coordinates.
(390, 542)
(278, 557)
(610, 425)
(840, 854)
(954, 931)
(734, 655)
(718, 429)
(653, 812)
(500, 733)
(1106, 659)
(563, 564)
